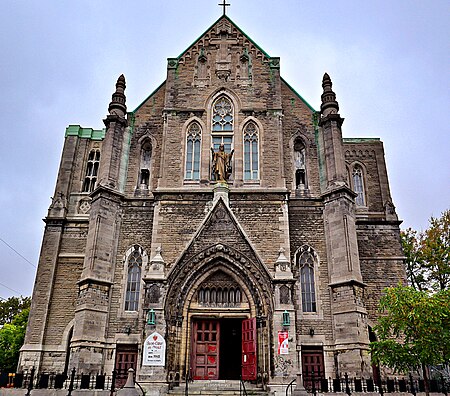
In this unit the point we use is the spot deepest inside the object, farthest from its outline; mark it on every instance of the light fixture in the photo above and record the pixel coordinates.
(286, 319)
(151, 317)
(311, 331)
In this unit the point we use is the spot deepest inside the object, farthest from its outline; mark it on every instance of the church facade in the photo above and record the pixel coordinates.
(223, 229)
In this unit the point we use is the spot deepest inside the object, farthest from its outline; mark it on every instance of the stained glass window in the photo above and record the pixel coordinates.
(358, 185)
(193, 145)
(306, 264)
(251, 159)
(133, 280)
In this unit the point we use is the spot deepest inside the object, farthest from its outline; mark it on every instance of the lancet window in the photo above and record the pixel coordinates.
(193, 145)
(251, 155)
(306, 261)
(91, 171)
(133, 280)
(222, 115)
(358, 185)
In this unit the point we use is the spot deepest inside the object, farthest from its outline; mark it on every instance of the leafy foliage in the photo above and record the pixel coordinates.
(11, 307)
(13, 323)
(414, 329)
(427, 255)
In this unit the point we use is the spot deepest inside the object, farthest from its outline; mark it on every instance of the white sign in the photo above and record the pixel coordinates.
(154, 350)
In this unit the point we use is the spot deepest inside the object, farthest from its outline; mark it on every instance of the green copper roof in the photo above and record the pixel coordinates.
(299, 96)
(86, 133)
(360, 140)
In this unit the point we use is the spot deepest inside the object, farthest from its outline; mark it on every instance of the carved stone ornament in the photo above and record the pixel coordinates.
(282, 266)
(157, 265)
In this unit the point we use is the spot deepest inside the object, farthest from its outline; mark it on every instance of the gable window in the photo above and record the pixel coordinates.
(193, 144)
(358, 185)
(306, 266)
(133, 280)
(251, 158)
(299, 163)
(146, 157)
(91, 171)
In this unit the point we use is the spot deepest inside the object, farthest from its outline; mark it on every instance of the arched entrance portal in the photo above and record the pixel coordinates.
(220, 318)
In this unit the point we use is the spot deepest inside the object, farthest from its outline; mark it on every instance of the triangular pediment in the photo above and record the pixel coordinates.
(220, 228)
(224, 26)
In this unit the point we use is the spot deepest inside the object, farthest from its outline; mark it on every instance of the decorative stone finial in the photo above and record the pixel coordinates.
(129, 388)
(117, 105)
(329, 104)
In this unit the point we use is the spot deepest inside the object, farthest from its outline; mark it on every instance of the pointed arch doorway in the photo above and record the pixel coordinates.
(219, 312)
(224, 335)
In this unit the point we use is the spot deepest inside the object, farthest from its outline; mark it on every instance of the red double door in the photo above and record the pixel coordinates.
(224, 349)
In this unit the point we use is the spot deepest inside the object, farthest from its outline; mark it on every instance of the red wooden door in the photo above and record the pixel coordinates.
(249, 349)
(126, 358)
(206, 334)
(313, 368)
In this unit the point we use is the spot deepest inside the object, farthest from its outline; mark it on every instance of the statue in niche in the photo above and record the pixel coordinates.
(221, 162)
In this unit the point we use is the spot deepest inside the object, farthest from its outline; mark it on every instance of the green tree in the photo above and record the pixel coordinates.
(11, 307)
(12, 336)
(427, 255)
(413, 330)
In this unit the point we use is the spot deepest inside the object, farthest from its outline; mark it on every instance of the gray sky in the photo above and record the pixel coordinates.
(388, 60)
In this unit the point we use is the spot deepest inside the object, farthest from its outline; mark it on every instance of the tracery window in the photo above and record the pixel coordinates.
(146, 157)
(299, 163)
(222, 115)
(358, 185)
(133, 280)
(251, 159)
(91, 171)
(193, 145)
(306, 265)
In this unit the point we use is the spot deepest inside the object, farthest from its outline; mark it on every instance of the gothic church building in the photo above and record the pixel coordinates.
(153, 259)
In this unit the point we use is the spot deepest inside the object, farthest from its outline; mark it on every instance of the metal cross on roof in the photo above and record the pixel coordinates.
(224, 4)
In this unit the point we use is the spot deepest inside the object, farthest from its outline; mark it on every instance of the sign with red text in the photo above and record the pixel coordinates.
(283, 343)
(154, 350)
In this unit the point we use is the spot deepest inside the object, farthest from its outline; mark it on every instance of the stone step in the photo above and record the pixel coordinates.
(216, 388)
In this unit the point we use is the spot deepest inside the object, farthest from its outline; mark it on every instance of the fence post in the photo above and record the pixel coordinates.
(113, 382)
(413, 390)
(347, 387)
(444, 385)
(380, 386)
(72, 379)
(30, 383)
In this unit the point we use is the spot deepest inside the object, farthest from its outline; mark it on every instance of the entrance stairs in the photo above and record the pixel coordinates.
(217, 388)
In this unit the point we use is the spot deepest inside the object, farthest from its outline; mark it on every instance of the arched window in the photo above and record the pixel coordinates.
(299, 164)
(146, 157)
(306, 266)
(91, 171)
(193, 144)
(251, 159)
(358, 185)
(222, 115)
(222, 124)
(133, 280)
(284, 294)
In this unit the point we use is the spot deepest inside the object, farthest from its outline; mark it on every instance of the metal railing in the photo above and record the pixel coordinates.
(318, 384)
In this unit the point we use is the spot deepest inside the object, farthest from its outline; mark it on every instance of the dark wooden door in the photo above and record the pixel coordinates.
(205, 357)
(313, 369)
(249, 349)
(126, 358)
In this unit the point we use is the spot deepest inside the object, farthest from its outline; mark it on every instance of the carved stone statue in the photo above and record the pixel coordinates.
(221, 162)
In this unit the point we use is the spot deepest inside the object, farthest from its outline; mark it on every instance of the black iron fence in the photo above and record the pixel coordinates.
(70, 381)
(316, 383)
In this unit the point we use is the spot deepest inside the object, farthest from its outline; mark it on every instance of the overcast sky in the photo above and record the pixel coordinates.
(388, 60)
